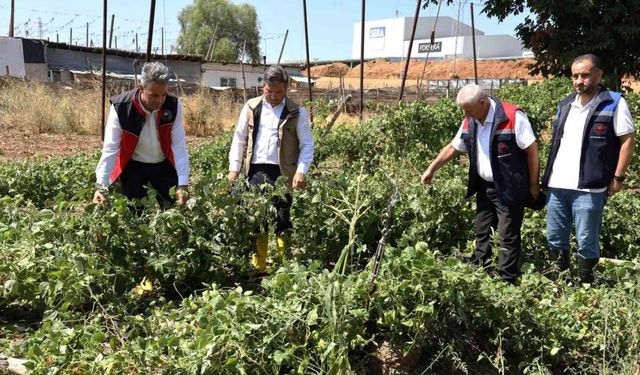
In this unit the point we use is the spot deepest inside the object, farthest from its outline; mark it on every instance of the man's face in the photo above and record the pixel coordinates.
(274, 93)
(477, 110)
(585, 77)
(153, 95)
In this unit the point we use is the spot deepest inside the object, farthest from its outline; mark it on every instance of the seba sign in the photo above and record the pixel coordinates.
(376, 32)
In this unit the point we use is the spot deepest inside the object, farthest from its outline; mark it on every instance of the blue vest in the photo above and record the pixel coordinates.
(600, 145)
(509, 163)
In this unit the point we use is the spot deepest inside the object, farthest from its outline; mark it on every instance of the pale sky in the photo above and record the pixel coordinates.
(330, 22)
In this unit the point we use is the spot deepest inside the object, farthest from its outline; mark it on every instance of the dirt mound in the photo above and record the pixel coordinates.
(447, 69)
(329, 70)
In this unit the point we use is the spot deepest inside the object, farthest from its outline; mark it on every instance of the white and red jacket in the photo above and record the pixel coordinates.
(125, 123)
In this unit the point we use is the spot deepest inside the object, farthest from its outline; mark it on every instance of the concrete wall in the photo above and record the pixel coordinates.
(214, 73)
(12, 56)
(37, 72)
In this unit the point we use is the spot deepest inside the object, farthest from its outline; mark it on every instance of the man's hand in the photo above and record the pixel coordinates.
(298, 181)
(427, 176)
(614, 187)
(182, 195)
(100, 198)
(534, 190)
(233, 175)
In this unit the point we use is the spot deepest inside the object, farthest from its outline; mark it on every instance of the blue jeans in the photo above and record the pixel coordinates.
(566, 207)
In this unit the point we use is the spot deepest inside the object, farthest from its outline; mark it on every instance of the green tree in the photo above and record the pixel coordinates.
(557, 31)
(228, 24)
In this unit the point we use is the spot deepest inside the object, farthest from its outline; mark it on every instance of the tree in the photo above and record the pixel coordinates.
(557, 31)
(229, 25)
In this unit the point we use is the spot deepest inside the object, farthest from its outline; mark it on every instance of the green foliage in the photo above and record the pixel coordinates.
(70, 268)
(228, 25)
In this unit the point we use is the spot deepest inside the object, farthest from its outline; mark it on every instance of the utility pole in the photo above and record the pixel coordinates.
(11, 18)
(162, 41)
(87, 39)
(306, 37)
(137, 49)
(70, 35)
(283, 43)
(111, 31)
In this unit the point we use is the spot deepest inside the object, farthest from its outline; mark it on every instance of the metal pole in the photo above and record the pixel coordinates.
(70, 35)
(244, 81)
(113, 16)
(115, 41)
(162, 41)
(362, 61)
(306, 39)
(137, 49)
(57, 38)
(282, 49)
(104, 63)
(87, 42)
(11, 18)
(150, 35)
(413, 34)
(473, 38)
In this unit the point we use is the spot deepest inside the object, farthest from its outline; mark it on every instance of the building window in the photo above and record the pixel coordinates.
(227, 82)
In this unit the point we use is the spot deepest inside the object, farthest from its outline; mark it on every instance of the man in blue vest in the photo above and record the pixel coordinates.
(503, 172)
(593, 142)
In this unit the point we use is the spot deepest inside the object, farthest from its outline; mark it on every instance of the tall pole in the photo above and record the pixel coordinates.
(137, 49)
(150, 35)
(413, 34)
(70, 35)
(282, 49)
(473, 38)
(104, 62)
(11, 17)
(362, 61)
(113, 16)
(57, 38)
(306, 39)
(116, 41)
(162, 41)
(87, 40)
(244, 81)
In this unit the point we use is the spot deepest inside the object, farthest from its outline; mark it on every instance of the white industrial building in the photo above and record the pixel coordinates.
(390, 38)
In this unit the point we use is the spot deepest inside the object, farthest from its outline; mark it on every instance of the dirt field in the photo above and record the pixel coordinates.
(448, 69)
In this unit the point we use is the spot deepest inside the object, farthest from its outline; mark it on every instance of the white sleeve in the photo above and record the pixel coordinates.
(179, 147)
(239, 141)
(524, 132)
(305, 139)
(110, 148)
(622, 121)
(457, 141)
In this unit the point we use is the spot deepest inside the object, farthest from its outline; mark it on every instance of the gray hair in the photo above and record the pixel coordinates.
(470, 94)
(276, 74)
(154, 72)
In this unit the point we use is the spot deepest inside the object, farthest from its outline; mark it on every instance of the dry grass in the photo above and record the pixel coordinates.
(45, 108)
(209, 115)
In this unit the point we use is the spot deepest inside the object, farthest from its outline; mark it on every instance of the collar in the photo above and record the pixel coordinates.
(269, 106)
(576, 102)
(491, 114)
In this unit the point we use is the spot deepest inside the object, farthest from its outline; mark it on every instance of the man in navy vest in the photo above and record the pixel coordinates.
(593, 142)
(503, 172)
(144, 142)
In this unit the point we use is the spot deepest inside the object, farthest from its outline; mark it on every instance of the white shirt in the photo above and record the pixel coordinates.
(266, 145)
(148, 149)
(566, 167)
(524, 139)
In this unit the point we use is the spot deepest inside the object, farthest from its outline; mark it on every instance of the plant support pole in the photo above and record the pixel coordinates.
(104, 62)
(113, 16)
(362, 62)
(306, 39)
(150, 35)
(473, 38)
(413, 34)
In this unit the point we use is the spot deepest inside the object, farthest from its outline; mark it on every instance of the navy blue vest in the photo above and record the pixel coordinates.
(509, 163)
(600, 145)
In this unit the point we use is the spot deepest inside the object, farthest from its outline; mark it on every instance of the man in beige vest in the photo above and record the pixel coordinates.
(274, 136)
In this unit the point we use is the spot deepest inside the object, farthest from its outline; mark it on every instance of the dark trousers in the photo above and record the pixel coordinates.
(161, 176)
(508, 219)
(268, 174)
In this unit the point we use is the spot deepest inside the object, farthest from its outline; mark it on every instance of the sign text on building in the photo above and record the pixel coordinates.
(376, 32)
(428, 47)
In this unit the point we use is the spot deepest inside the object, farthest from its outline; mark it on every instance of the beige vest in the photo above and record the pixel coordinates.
(289, 149)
